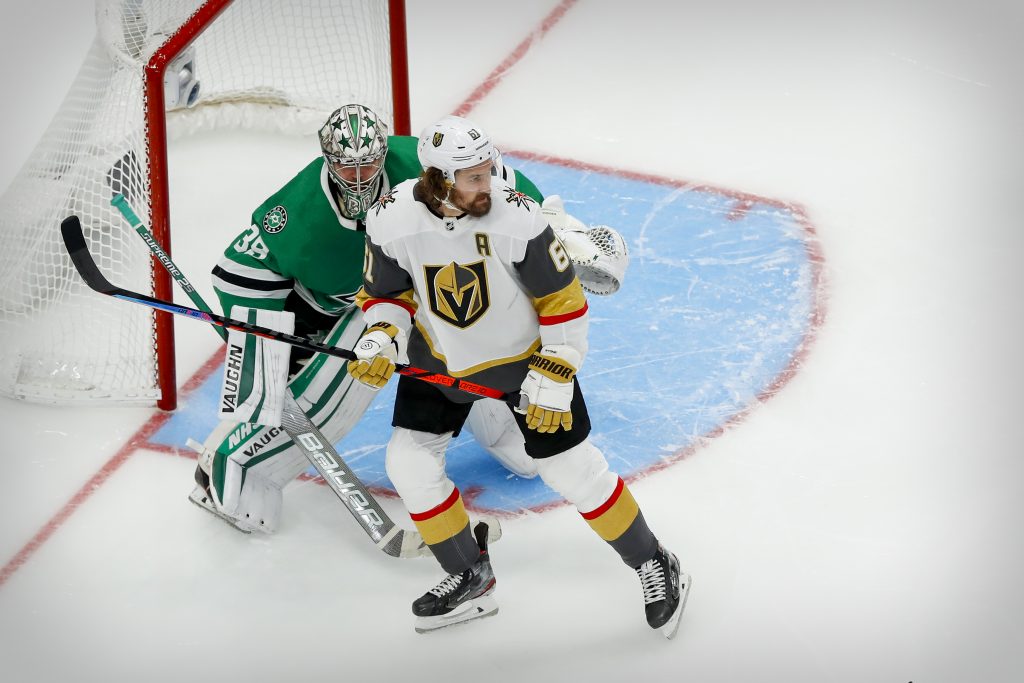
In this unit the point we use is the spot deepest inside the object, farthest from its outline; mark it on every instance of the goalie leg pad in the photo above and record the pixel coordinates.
(256, 369)
(248, 471)
(249, 465)
(494, 428)
(334, 406)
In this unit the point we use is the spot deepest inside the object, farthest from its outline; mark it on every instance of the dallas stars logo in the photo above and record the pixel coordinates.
(275, 219)
(518, 198)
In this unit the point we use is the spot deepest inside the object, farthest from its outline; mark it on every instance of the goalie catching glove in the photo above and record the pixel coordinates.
(598, 254)
(549, 387)
(377, 351)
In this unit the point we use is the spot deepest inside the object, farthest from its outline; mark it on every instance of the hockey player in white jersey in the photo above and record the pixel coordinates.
(465, 276)
(302, 258)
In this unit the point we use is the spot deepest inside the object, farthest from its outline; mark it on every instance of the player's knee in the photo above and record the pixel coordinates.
(415, 465)
(580, 475)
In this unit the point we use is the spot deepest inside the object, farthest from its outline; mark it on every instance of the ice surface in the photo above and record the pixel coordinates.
(858, 524)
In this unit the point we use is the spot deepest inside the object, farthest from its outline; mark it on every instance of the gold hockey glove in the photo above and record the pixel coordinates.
(376, 351)
(549, 387)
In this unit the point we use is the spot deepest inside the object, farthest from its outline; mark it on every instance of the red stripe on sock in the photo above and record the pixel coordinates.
(434, 512)
(612, 499)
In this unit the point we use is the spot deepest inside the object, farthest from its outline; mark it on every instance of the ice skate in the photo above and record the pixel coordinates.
(665, 591)
(459, 597)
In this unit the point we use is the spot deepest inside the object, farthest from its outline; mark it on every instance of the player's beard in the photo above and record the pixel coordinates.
(479, 203)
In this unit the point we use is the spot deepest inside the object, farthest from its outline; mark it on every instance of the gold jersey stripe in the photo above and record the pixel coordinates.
(569, 299)
(473, 369)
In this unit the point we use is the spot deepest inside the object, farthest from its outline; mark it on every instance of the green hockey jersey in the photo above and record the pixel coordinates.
(299, 240)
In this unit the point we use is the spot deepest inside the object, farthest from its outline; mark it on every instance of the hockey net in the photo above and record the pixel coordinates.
(265, 64)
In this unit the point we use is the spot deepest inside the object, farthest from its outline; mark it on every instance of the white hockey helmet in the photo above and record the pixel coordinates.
(452, 144)
(354, 141)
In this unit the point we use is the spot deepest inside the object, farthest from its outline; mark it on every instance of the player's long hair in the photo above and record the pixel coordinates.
(432, 188)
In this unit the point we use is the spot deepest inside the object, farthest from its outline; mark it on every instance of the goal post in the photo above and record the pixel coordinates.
(155, 66)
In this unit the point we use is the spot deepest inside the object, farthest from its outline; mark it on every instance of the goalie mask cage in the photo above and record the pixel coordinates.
(264, 64)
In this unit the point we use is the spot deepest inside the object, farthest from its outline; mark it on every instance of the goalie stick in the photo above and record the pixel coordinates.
(318, 450)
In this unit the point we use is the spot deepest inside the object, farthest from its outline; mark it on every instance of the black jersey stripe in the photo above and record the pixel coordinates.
(252, 283)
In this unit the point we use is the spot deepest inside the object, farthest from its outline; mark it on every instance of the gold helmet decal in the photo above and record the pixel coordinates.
(458, 293)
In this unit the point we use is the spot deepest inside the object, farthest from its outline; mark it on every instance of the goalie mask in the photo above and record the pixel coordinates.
(354, 143)
(452, 144)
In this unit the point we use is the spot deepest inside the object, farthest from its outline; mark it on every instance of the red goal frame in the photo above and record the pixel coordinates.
(156, 123)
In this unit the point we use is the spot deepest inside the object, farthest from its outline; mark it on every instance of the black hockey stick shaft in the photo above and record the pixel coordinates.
(74, 242)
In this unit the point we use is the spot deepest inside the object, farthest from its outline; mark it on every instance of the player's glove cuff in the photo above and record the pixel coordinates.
(549, 388)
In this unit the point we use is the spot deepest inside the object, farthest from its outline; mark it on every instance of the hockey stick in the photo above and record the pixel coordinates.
(74, 242)
(121, 204)
(318, 450)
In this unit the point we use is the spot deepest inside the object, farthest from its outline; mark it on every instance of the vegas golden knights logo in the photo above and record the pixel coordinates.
(458, 293)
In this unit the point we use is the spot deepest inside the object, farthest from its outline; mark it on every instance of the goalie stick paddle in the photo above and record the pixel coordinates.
(74, 242)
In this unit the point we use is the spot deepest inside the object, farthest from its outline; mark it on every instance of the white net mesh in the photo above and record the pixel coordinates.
(269, 64)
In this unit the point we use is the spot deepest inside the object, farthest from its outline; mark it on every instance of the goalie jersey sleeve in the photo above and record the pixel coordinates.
(482, 294)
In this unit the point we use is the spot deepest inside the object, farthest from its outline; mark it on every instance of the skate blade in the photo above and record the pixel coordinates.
(199, 498)
(672, 625)
(478, 608)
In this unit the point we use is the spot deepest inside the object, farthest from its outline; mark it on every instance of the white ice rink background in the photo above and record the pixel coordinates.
(854, 518)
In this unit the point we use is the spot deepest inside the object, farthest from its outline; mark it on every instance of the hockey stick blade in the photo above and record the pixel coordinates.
(74, 242)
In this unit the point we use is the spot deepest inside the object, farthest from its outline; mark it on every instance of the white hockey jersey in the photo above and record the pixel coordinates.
(482, 293)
